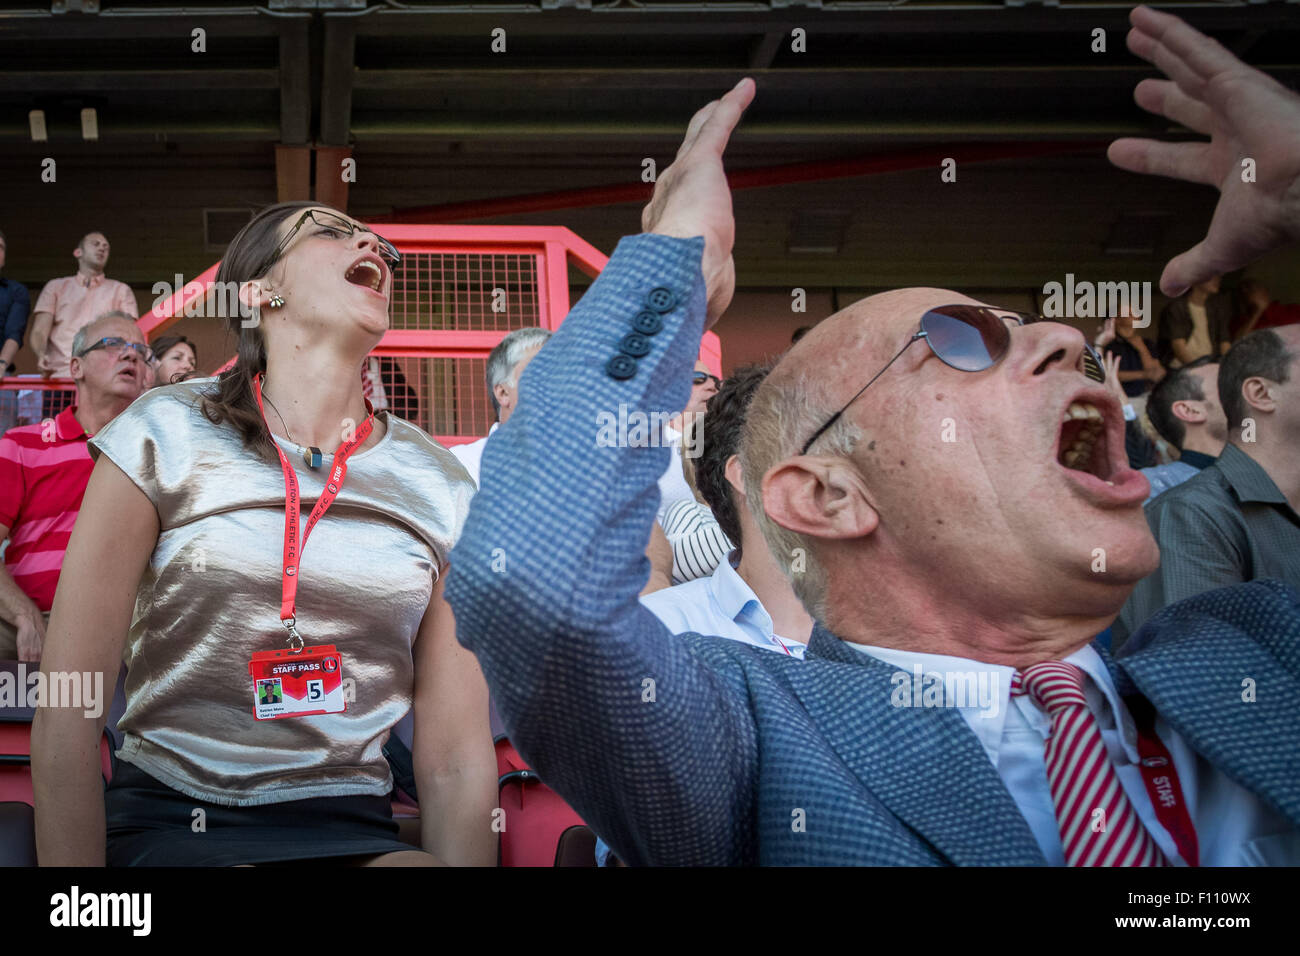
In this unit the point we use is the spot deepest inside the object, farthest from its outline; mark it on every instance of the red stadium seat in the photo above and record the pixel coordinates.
(16, 759)
(540, 828)
(508, 758)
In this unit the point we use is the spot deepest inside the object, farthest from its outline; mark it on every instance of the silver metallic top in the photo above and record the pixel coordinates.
(210, 598)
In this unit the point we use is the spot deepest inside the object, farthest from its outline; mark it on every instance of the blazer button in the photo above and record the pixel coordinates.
(648, 323)
(661, 299)
(635, 345)
(621, 367)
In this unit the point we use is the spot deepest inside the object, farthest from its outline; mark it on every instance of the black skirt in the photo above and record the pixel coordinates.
(150, 824)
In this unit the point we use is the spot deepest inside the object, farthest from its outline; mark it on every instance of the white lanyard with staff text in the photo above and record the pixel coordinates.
(301, 681)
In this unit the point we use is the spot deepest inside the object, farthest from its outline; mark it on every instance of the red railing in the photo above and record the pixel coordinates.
(457, 293)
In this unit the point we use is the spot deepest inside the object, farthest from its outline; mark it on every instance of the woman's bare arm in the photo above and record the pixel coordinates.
(115, 533)
(455, 761)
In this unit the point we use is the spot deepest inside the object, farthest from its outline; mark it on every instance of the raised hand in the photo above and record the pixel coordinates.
(1247, 115)
(1105, 335)
(691, 197)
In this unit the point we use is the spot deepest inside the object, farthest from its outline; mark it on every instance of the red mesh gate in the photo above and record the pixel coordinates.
(457, 292)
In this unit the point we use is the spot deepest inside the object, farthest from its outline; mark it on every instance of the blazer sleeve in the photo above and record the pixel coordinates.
(654, 749)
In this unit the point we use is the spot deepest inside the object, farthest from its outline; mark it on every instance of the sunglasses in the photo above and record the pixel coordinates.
(113, 342)
(969, 338)
(331, 227)
(699, 378)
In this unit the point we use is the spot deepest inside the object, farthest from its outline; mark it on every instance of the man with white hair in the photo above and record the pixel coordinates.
(945, 484)
(505, 364)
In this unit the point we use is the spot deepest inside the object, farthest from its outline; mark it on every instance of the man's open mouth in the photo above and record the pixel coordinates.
(1083, 444)
(367, 271)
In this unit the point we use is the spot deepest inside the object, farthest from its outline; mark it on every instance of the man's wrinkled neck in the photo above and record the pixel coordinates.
(924, 617)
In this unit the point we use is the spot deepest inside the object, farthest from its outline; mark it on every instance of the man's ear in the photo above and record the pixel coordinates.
(1258, 394)
(76, 253)
(503, 395)
(76, 368)
(1189, 410)
(735, 475)
(819, 497)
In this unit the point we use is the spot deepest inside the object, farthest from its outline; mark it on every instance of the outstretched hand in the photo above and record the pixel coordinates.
(1247, 115)
(691, 197)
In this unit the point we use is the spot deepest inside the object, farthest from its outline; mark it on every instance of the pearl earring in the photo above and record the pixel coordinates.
(277, 301)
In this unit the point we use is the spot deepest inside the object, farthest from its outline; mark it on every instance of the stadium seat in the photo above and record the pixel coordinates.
(15, 758)
(540, 828)
(17, 835)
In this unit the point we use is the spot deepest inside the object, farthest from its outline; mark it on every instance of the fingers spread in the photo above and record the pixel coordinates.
(1186, 161)
(1202, 55)
(1166, 99)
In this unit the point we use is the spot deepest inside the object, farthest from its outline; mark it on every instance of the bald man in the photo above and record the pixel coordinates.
(945, 484)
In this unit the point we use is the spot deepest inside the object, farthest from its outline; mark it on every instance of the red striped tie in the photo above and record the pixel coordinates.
(1098, 824)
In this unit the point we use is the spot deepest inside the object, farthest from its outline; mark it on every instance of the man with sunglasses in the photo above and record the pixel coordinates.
(944, 483)
(44, 469)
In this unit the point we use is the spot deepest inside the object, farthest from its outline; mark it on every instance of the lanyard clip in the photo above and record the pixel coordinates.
(295, 639)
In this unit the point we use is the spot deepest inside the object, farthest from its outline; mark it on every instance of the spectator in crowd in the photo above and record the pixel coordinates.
(1138, 369)
(1184, 410)
(43, 473)
(1139, 450)
(193, 507)
(505, 364)
(696, 538)
(1195, 325)
(14, 307)
(66, 304)
(1257, 309)
(175, 359)
(967, 557)
(384, 385)
(747, 598)
(673, 487)
(1239, 518)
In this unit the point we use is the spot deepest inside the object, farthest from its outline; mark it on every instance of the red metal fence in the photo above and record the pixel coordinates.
(458, 291)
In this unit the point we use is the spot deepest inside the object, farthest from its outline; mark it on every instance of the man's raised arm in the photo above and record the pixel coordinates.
(653, 749)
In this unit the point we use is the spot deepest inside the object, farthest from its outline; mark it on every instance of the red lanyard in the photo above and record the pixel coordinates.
(1161, 779)
(293, 548)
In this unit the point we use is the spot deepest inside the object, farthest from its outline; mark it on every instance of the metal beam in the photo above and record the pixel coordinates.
(295, 84)
(783, 175)
(336, 80)
(135, 81)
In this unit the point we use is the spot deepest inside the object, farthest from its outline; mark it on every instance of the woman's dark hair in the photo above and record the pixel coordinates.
(165, 343)
(246, 259)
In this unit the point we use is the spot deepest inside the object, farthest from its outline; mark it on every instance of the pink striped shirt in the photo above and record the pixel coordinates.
(44, 469)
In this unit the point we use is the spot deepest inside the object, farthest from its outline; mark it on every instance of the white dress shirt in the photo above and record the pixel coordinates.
(1233, 826)
(721, 604)
(471, 454)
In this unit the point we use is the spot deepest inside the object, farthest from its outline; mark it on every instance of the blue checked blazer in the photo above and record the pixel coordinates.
(689, 749)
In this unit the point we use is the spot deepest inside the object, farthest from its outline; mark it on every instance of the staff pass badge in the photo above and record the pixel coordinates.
(286, 684)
